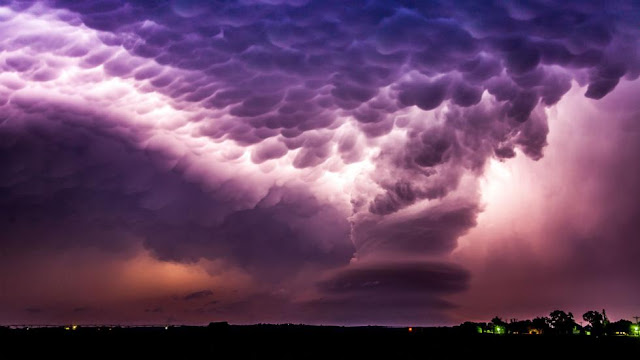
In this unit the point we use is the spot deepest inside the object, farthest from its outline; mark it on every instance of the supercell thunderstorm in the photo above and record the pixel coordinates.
(330, 149)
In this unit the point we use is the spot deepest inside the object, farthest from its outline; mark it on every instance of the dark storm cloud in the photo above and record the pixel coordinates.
(387, 292)
(433, 231)
(432, 161)
(400, 277)
(66, 184)
(463, 82)
(198, 295)
(250, 56)
(282, 69)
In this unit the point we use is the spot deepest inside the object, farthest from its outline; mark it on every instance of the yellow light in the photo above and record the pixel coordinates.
(73, 327)
(67, 328)
(410, 329)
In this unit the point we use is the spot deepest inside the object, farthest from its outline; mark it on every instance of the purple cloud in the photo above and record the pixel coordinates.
(287, 138)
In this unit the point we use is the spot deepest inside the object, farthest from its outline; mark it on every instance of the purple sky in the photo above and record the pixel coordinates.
(359, 162)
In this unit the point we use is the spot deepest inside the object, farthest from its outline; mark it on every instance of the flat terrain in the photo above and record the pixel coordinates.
(301, 342)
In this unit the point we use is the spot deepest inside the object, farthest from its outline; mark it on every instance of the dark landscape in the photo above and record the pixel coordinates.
(556, 335)
(303, 342)
(300, 179)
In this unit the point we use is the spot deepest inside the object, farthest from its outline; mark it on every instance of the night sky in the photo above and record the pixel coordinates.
(317, 161)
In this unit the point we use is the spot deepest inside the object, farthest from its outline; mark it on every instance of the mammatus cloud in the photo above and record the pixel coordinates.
(289, 138)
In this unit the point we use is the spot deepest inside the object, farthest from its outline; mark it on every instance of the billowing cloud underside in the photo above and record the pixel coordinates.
(284, 135)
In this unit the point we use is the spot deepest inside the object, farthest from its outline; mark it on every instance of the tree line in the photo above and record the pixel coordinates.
(557, 323)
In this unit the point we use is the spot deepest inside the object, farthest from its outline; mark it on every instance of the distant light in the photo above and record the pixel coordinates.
(167, 328)
(73, 327)
(410, 329)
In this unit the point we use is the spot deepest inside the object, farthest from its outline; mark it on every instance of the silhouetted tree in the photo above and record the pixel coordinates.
(519, 327)
(596, 320)
(558, 322)
(541, 323)
(562, 322)
(498, 325)
(605, 319)
(498, 321)
(470, 328)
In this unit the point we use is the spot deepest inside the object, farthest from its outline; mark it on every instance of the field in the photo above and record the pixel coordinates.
(301, 342)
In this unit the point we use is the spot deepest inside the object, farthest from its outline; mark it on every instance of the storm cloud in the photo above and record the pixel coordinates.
(290, 139)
